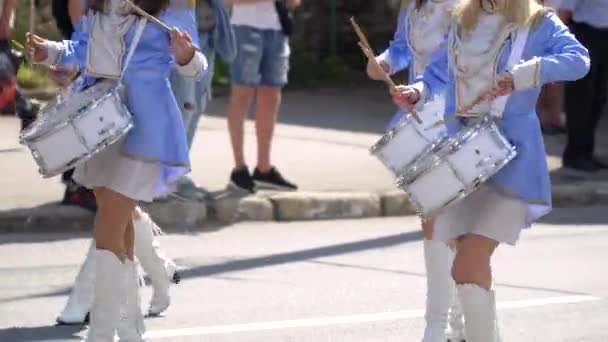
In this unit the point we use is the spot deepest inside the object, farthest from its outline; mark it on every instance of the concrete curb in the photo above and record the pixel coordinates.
(181, 216)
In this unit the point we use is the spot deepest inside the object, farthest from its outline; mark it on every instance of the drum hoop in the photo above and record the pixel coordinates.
(46, 173)
(390, 134)
(483, 177)
(112, 92)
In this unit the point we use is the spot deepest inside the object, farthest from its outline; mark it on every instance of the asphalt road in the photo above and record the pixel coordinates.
(345, 281)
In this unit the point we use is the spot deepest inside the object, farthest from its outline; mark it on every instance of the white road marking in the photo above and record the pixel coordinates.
(341, 320)
(347, 320)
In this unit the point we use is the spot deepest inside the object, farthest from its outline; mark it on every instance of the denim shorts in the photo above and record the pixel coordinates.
(262, 57)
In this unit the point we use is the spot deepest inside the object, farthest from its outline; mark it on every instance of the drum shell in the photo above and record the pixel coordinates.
(457, 168)
(402, 145)
(86, 132)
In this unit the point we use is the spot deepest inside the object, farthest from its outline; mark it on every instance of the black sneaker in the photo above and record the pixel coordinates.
(600, 164)
(581, 165)
(240, 179)
(272, 180)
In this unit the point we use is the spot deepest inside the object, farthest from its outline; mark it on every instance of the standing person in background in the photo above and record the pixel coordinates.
(550, 104)
(216, 35)
(24, 109)
(586, 98)
(259, 70)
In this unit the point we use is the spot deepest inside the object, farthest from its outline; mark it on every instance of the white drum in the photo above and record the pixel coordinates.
(457, 168)
(403, 144)
(72, 130)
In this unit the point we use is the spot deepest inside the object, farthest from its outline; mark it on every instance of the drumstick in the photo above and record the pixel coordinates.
(153, 19)
(369, 53)
(32, 26)
(360, 33)
(149, 16)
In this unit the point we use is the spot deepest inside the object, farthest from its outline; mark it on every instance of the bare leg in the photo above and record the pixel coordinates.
(554, 105)
(267, 109)
(473, 274)
(113, 216)
(240, 100)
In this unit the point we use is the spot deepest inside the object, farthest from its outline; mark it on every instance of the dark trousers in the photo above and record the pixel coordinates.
(586, 98)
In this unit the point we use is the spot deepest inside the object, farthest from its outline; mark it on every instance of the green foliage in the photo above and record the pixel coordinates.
(221, 74)
(33, 77)
(307, 73)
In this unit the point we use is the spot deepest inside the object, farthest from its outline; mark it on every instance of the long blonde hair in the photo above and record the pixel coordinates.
(518, 12)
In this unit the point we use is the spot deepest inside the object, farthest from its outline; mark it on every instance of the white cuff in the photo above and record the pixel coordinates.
(526, 75)
(195, 67)
(54, 53)
(385, 58)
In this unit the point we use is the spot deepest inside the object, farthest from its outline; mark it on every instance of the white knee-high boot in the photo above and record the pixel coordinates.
(159, 268)
(109, 297)
(438, 259)
(455, 331)
(131, 327)
(479, 307)
(81, 297)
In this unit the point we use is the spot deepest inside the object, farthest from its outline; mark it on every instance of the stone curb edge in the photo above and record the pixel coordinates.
(182, 216)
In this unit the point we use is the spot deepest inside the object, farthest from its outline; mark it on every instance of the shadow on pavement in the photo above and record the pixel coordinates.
(595, 215)
(269, 260)
(366, 110)
(51, 332)
(302, 255)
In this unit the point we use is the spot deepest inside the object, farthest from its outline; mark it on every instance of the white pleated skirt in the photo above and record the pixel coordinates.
(133, 178)
(486, 212)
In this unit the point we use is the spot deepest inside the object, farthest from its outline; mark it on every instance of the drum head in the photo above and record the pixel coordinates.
(62, 111)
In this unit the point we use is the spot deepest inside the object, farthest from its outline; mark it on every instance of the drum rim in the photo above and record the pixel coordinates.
(390, 133)
(113, 91)
(469, 189)
(444, 147)
(48, 173)
(474, 130)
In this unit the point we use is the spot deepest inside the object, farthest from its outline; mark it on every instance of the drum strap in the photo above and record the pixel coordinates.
(517, 50)
(139, 30)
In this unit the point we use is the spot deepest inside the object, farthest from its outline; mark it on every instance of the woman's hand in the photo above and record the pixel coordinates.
(36, 48)
(504, 85)
(293, 4)
(405, 96)
(183, 48)
(376, 69)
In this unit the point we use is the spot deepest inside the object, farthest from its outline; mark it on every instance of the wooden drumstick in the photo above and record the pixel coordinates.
(360, 33)
(149, 16)
(32, 27)
(153, 19)
(369, 53)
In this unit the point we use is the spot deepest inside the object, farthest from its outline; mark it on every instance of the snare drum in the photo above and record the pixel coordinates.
(457, 168)
(74, 129)
(404, 143)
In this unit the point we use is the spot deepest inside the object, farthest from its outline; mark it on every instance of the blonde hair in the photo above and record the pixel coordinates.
(518, 12)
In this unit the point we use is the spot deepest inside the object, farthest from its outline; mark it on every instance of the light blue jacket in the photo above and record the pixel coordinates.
(158, 135)
(562, 58)
(399, 53)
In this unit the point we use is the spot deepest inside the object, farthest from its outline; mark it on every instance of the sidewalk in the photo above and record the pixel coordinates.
(321, 144)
